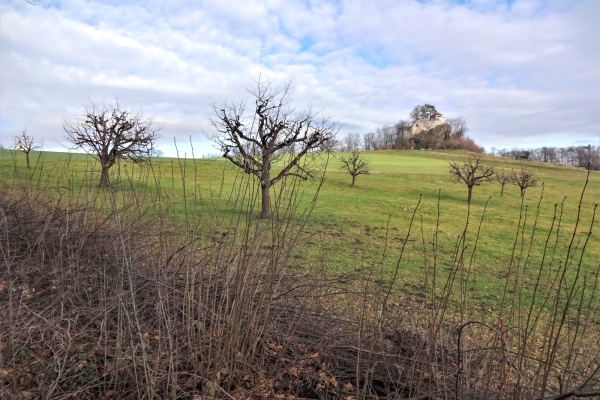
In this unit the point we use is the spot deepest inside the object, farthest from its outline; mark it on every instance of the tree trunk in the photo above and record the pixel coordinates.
(266, 209)
(522, 192)
(104, 176)
(265, 184)
(469, 196)
(27, 158)
(502, 191)
(353, 179)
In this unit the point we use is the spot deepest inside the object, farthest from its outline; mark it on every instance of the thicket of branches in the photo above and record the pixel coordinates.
(110, 294)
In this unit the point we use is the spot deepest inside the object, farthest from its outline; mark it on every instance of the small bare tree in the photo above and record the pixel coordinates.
(503, 178)
(254, 141)
(472, 172)
(524, 179)
(109, 132)
(24, 142)
(355, 165)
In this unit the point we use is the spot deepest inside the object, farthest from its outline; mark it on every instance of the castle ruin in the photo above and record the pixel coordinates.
(421, 125)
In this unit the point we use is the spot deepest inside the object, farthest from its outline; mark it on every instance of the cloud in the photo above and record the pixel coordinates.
(520, 72)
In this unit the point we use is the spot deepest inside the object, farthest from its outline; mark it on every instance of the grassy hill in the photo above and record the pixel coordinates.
(400, 255)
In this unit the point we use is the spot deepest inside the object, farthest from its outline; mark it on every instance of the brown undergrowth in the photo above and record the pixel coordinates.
(109, 295)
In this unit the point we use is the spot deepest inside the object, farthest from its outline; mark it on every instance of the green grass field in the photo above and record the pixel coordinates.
(353, 228)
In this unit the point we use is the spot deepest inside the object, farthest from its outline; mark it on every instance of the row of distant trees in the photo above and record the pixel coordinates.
(392, 138)
(450, 135)
(576, 156)
(397, 138)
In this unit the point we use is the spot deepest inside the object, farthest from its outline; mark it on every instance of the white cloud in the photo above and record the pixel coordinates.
(525, 72)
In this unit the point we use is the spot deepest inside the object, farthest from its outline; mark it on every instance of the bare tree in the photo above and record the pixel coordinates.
(402, 128)
(355, 165)
(387, 137)
(472, 172)
(109, 132)
(351, 142)
(271, 128)
(524, 179)
(370, 141)
(24, 142)
(503, 178)
(458, 126)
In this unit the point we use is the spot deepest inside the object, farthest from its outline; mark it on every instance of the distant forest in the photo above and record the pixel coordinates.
(576, 156)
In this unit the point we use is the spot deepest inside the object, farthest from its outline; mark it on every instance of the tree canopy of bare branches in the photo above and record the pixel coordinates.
(351, 142)
(524, 179)
(458, 126)
(24, 142)
(503, 178)
(110, 132)
(273, 131)
(471, 172)
(354, 164)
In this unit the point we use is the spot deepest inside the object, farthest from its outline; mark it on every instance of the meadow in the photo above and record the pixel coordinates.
(349, 227)
(404, 236)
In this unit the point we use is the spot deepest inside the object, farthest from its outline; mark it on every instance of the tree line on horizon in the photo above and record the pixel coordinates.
(576, 156)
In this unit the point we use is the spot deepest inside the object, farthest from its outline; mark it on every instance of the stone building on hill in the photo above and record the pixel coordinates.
(421, 125)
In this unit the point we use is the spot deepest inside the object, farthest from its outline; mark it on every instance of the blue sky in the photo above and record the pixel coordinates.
(522, 73)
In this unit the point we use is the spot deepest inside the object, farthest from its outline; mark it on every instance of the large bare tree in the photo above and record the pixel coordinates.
(24, 142)
(354, 165)
(272, 131)
(109, 132)
(472, 173)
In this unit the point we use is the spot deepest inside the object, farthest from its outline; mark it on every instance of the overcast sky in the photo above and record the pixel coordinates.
(522, 73)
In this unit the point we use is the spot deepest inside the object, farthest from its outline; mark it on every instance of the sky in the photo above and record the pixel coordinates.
(522, 73)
